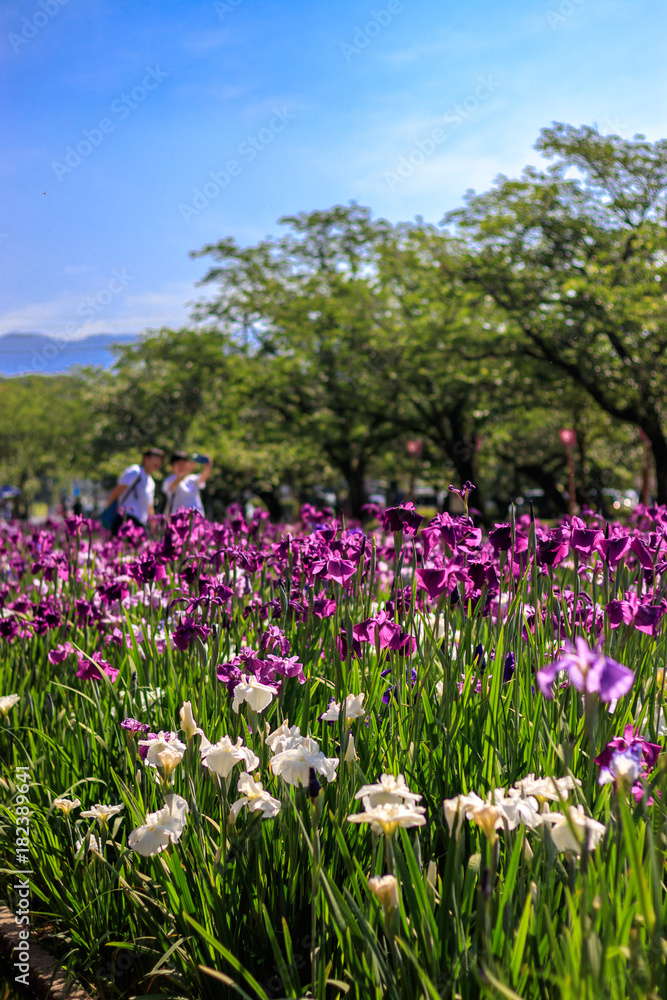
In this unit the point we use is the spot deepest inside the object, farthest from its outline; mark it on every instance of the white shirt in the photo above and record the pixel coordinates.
(138, 501)
(186, 495)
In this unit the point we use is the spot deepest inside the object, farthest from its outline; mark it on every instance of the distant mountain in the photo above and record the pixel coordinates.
(37, 354)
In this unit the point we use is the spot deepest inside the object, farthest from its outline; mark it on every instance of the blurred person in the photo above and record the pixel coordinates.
(183, 487)
(135, 490)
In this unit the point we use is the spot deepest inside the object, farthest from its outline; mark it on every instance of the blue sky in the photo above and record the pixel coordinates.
(137, 131)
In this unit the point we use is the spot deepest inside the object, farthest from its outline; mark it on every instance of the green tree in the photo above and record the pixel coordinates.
(522, 448)
(313, 311)
(43, 433)
(365, 336)
(195, 389)
(454, 356)
(575, 256)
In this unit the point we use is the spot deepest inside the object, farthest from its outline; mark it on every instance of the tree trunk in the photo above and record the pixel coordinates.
(659, 449)
(354, 474)
(358, 497)
(463, 455)
(546, 480)
(273, 504)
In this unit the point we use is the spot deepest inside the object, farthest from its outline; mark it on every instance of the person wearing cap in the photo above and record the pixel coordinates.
(136, 490)
(183, 486)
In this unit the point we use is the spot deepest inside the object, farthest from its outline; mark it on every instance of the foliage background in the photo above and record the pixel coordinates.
(318, 355)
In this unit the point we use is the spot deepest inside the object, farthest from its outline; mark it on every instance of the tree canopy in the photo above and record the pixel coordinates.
(575, 257)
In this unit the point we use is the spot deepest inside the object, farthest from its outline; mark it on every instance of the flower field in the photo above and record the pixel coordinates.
(315, 760)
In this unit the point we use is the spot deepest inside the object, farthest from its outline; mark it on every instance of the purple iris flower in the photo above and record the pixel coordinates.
(324, 607)
(146, 570)
(289, 666)
(182, 522)
(385, 632)
(404, 642)
(434, 581)
(341, 644)
(478, 657)
(134, 726)
(590, 671)
(60, 653)
(464, 492)
(143, 751)
(274, 637)
(310, 513)
(116, 591)
(46, 617)
(187, 630)
(171, 544)
(93, 671)
(647, 617)
(476, 684)
(479, 660)
(390, 693)
(73, 524)
(132, 533)
(9, 628)
(644, 616)
(501, 537)
(632, 750)
(340, 570)
(249, 660)
(583, 539)
(553, 547)
(84, 610)
(217, 593)
(642, 553)
(613, 549)
(229, 674)
(401, 602)
(404, 518)
(441, 528)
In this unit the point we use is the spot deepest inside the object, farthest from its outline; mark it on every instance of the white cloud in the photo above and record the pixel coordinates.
(453, 42)
(74, 318)
(472, 154)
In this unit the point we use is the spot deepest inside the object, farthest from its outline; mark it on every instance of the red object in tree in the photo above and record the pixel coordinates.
(568, 440)
(567, 436)
(414, 448)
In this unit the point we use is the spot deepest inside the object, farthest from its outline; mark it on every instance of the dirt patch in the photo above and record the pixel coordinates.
(46, 982)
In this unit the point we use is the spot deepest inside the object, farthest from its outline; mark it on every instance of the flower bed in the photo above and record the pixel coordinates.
(243, 759)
